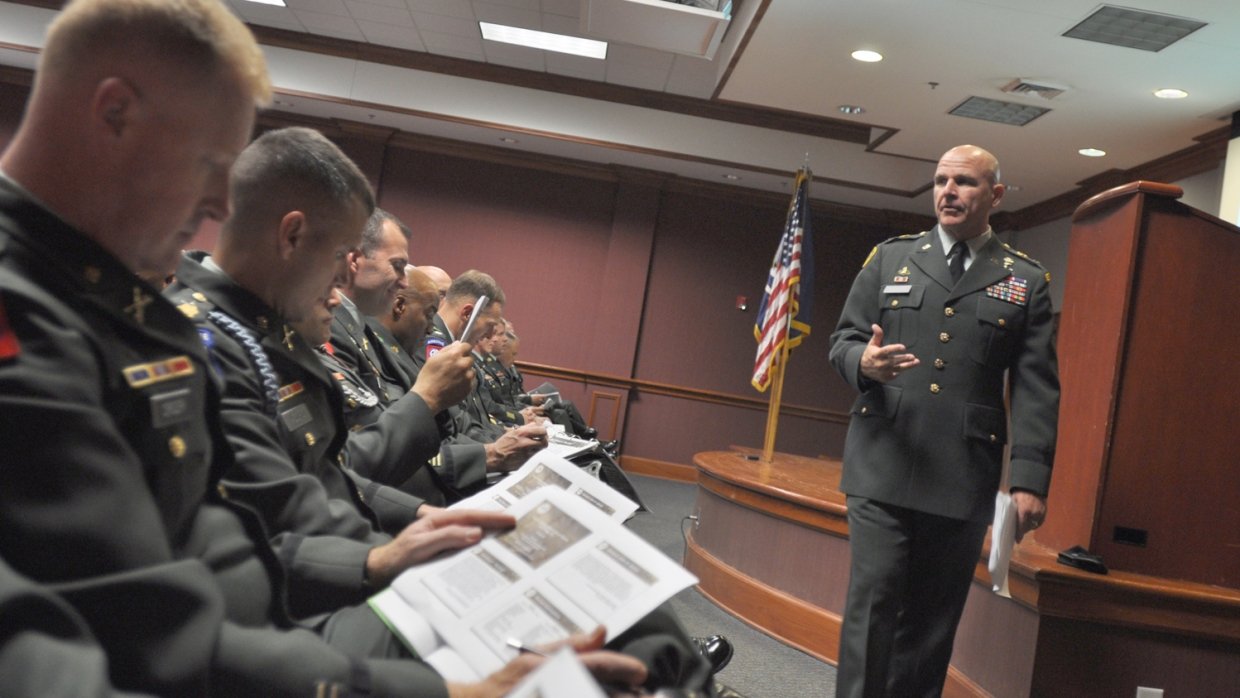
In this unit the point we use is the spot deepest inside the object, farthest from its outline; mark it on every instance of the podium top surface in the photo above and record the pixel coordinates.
(1116, 195)
(809, 482)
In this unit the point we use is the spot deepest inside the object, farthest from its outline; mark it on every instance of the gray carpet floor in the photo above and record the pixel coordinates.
(762, 666)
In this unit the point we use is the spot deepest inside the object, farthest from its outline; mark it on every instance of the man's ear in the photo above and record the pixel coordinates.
(463, 316)
(354, 257)
(291, 234)
(398, 307)
(113, 104)
(998, 191)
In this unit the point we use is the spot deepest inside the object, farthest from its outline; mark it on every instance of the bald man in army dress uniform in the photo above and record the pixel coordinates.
(936, 325)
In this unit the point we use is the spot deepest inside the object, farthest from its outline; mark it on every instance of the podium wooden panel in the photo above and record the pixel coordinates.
(771, 546)
(1146, 472)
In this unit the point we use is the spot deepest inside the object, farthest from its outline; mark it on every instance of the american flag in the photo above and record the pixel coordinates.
(783, 301)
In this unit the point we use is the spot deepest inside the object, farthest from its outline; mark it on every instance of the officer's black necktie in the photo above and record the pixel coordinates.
(955, 260)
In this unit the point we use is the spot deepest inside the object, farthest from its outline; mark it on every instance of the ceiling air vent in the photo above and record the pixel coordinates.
(999, 112)
(1038, 88)
(1120, 26)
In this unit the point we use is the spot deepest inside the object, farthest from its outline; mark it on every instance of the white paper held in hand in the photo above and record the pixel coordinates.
(479, 305)
(1002, 540)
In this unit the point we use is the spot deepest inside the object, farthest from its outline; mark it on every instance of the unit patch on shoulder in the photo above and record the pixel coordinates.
(433, 345)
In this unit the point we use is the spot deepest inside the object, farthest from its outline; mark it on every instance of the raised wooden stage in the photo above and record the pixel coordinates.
(771, 546)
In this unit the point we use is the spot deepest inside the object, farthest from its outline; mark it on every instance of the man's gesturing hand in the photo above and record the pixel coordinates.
(883, 363)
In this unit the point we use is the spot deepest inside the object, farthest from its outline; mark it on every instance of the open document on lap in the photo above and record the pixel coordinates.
(544, 469)
(566, 568)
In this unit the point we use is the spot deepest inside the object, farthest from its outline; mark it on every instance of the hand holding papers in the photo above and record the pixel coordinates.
(564, 445)
(562, 676)
(564, 569)
(1002, 540)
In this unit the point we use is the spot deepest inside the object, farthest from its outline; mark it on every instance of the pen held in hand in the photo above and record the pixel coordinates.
(523, 648)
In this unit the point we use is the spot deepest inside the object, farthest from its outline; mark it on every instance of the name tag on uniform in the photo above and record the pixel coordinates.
(897, 288)
(169, 407)
(296, 417)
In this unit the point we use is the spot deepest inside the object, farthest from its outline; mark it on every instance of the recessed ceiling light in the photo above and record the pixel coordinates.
(867, 56)
(731, 177)
(547, 41)
(1092, 152)
(506, 139)
(277, 3)
(1170, 93)
(851, 109)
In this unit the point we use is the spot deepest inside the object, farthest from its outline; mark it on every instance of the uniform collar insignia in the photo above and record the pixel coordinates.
(137, 309)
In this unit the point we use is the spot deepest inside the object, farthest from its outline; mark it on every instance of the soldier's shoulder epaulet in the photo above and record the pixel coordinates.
(909, 236)
(193, 304)
(888, 241)
(1023, 256)
(1036, 264)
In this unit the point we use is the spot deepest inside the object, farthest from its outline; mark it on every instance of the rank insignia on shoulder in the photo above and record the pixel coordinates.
(189, 310)
(287, 391)
(141, 375)
(1012, 290)
(9, 346)
(1048, 277)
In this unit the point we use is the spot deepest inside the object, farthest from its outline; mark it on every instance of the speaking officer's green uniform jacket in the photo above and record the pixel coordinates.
(282, 415)
(110, 484)
(932, 439)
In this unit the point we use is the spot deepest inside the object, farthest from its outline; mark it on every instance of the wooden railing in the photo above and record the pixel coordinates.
(679, 391)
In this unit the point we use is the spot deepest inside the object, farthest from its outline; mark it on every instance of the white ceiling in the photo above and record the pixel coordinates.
(792, 59)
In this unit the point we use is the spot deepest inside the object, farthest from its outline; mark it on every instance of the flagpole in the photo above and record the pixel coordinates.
(777, 396)
(779, 362)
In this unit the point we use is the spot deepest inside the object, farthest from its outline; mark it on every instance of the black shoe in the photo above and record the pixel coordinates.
(717, 650)
(588, 433)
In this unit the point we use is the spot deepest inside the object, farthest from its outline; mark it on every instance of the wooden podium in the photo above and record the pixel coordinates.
(1147, 471)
